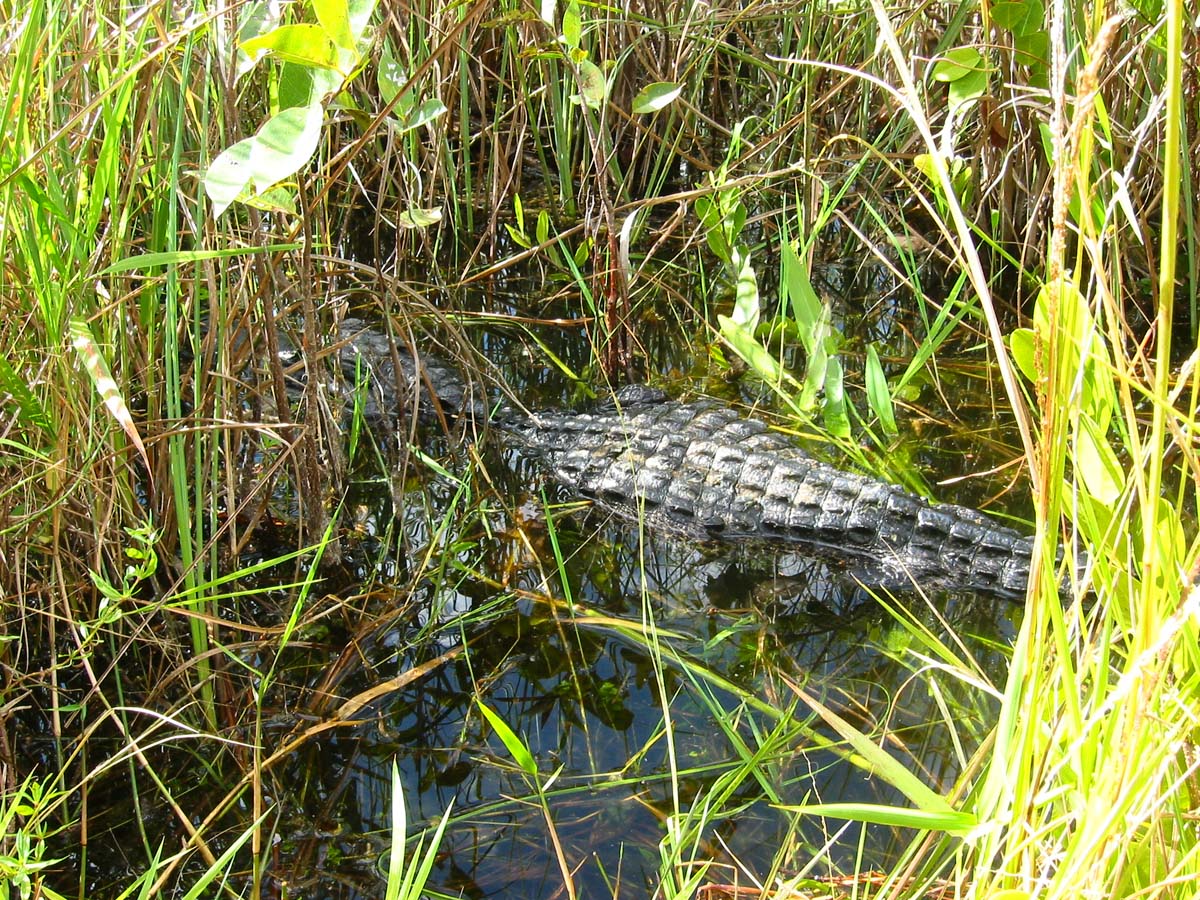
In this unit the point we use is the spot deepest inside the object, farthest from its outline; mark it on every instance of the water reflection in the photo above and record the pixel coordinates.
(560, 654)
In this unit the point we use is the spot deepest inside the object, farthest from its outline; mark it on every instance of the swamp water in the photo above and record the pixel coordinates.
(586, 634)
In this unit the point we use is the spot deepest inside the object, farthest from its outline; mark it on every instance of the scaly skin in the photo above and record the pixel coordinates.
(702, 469)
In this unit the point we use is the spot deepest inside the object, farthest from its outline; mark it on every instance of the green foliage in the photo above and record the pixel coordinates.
(317, 61)
(406, 877)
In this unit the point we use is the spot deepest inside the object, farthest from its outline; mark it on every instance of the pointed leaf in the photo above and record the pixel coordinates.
(572, 26)
(424, 114)
(654, 97)
(951, 821)
(874, 759)
(878, 395)
(228, 176)
(958, 63)
(746, 306)
(108, 389)
(30, 409)
(285, 144)
(837, 419)
(419, 218)
(516, 747)
(1097, 464)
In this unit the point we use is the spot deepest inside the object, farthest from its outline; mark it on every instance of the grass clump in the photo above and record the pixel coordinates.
(185, 194)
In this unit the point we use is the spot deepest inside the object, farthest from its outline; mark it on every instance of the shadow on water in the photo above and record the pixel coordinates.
(555, 610)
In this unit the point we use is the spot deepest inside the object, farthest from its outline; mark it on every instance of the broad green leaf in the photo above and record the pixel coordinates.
(837, 419)
(106, 386)
(334, 16)
(419, 218)
(950, 821)
(304, 44)
(747, 346)
(572, 26)
(1096, 463)
(427, 112)
(970, 87)
(582, 252)
(516, 747)
(275, 199)
(746, 307)
(229, 175)
(814, 375)
(593, 87)
(256, 18)
(360, 17)
(798, 292)
(958, 63)
(390, 78)
(878, 395)
(395, 872)
(305, 85)
(1024, 17)
(519, 212)
(542, 229)
(654, 97)
(1021, 343)
(1032, 49)
(146, 261)
(284, 145)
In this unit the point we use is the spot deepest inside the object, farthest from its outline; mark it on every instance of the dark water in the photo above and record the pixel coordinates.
(559, 652)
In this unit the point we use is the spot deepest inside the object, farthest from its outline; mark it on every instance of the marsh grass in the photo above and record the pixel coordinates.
(149, 440)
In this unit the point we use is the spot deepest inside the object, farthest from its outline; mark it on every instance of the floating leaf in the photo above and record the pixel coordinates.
(654, 97)
(108, 389)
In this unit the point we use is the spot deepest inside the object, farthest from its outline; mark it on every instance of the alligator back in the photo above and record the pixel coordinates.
(702, 469)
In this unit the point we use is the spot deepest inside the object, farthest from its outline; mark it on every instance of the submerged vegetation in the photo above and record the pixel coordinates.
(214, 583)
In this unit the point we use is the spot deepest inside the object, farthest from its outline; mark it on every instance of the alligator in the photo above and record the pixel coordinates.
(701, 469)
